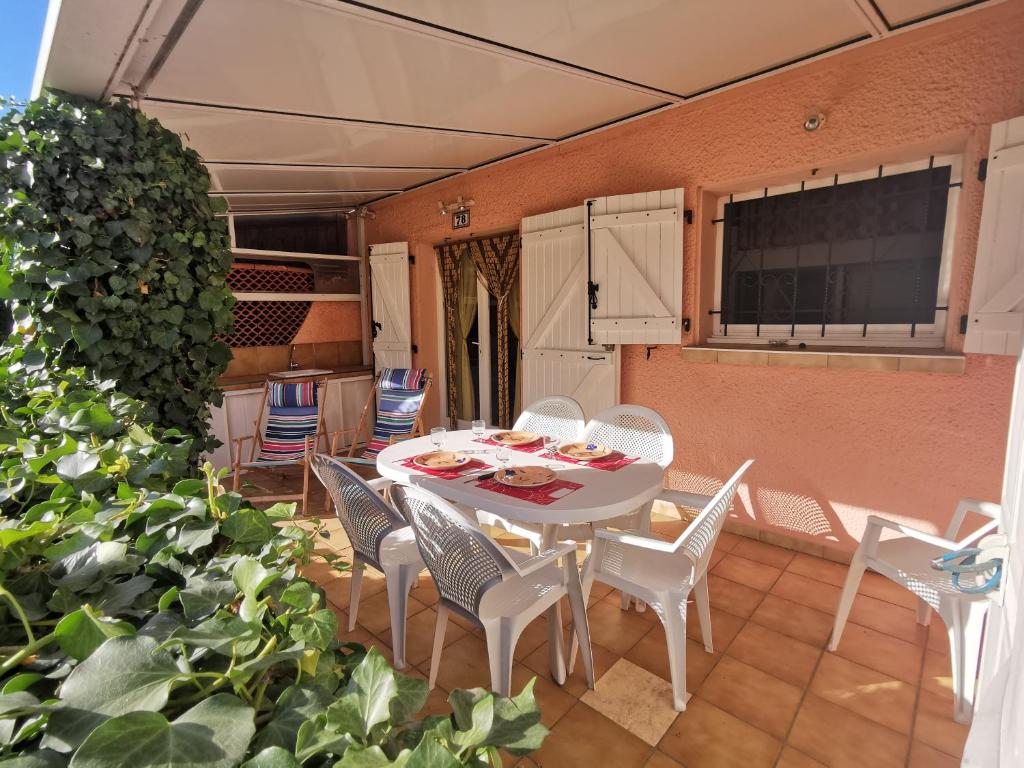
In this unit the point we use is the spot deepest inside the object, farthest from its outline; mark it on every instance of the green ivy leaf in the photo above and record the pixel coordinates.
(317, 630)
(272, 757)
(367, 697)
(248, 525)
(81, 632)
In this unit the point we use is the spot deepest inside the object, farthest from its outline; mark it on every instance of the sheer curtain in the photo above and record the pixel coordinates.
(467, 317)
(996, 739)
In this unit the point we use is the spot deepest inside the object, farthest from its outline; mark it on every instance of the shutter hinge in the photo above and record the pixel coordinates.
(963, 324)
(414, 348)
(983, 169)
(688, 215)
(592, 289)
(412, 258)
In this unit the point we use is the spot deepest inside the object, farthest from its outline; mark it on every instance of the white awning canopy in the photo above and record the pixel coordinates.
(331, 104)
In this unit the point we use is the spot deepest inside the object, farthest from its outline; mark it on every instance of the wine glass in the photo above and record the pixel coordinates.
(550, 444)
(479, 425)
(437, 436)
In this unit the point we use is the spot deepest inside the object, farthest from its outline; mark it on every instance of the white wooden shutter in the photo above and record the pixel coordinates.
(995, 323)
(637, 264)
(557, 360)
(389, 280)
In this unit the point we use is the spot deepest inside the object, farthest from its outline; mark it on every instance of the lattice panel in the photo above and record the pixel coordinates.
(267, 323)
(270, 278)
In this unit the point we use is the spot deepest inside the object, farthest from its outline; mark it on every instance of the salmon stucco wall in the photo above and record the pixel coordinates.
(832, 446)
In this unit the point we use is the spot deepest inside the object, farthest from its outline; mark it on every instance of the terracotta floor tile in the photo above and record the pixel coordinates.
(923, 756)
(726, 541)
(661, 760)
(586, 737)
(880, 651)
(810, 592)
(748, 572)
(374, 615)
(793, 619)
(639, 701)
(888, 618)
(705, 736)
(818, 568)
(651, 653)
(615, 629)
(937, 676)
(419, 636)
(769, 554)
(769, 651)
(463, 664)
(871, 694)
(840, 738)
(538, 662)
(424, 589)
(878, 586)
(737, 599)
(753, 696)
(936, 727)
(552, 699)
(339, 588)
(792, 758)
(724, 627)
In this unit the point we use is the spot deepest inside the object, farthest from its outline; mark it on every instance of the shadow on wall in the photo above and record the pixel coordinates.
(773, 509)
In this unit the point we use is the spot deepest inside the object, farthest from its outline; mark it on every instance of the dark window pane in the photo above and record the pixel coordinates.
(864, 252)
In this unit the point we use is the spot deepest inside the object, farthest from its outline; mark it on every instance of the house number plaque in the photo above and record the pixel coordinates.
(460, 219)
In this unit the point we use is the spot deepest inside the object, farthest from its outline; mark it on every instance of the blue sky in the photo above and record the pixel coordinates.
(21, 27)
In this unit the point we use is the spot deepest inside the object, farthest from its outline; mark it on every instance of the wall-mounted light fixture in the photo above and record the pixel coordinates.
(458, 205)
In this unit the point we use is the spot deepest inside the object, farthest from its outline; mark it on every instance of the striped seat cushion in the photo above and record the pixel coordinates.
(402, 378)
(397, 406)
(293, 417)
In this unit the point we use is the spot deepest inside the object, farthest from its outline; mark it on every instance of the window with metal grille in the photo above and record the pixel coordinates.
(853, 258)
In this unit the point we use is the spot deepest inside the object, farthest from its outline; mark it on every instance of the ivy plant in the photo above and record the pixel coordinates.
(147, 619)
(112, 255)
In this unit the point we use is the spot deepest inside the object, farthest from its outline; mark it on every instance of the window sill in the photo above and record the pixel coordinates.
(889, 361)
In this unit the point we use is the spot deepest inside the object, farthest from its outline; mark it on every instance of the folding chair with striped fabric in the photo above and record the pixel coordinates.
(293, 426)
(401, 393)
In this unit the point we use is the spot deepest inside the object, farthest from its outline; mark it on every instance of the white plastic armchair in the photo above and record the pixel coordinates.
(498, 590)
(380, 538)
(664, 574)
(905, 556)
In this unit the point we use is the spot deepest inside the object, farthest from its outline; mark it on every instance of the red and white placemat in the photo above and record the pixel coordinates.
(544, 495)
(446, 474)
(613, 461)
(536, 445)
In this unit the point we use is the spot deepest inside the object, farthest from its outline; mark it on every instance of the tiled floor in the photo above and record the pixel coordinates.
(770, 695)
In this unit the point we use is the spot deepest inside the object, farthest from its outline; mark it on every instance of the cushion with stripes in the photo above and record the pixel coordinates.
(293, 417)
(403, 378)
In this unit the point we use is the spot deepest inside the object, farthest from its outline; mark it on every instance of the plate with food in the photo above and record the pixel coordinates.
(584, 451)
(515, 437)
(525, 477)
(441, 460)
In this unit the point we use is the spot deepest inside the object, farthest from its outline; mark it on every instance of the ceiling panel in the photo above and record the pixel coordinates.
(901, 11)
(297, 179)
(286, 201)
(295, 56)
(220, 134)
(681, 46)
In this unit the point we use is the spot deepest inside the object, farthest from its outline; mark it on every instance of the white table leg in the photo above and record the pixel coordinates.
(549, 537)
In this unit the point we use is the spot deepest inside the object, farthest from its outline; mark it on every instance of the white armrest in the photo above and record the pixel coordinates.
(547, 557)
(379, 484)
(880, 522)
(684, 499)
(987, 508)
(632, 540)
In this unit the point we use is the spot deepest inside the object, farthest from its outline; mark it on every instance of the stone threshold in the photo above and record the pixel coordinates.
(847, 359)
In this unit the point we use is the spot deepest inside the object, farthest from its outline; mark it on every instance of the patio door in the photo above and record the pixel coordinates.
(391, 325)
(557, 357)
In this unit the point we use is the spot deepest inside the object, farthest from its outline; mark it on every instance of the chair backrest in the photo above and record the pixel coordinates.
(698, 540)
(461, 558)
(401, 393)
(559, 416)
(364, 515)
(633, 430)
(293, 416)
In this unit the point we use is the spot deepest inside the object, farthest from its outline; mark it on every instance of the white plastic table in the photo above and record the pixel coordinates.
(604, 495)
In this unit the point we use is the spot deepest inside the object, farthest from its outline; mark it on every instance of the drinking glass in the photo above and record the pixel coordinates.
(437, 435)
(504, 455)
(550, 444)
(479, 425)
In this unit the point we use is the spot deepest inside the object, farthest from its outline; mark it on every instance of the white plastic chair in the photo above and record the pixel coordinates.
(380, 538)
(906, 559)
(498, 590)
(559, 416)
(664, 574)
